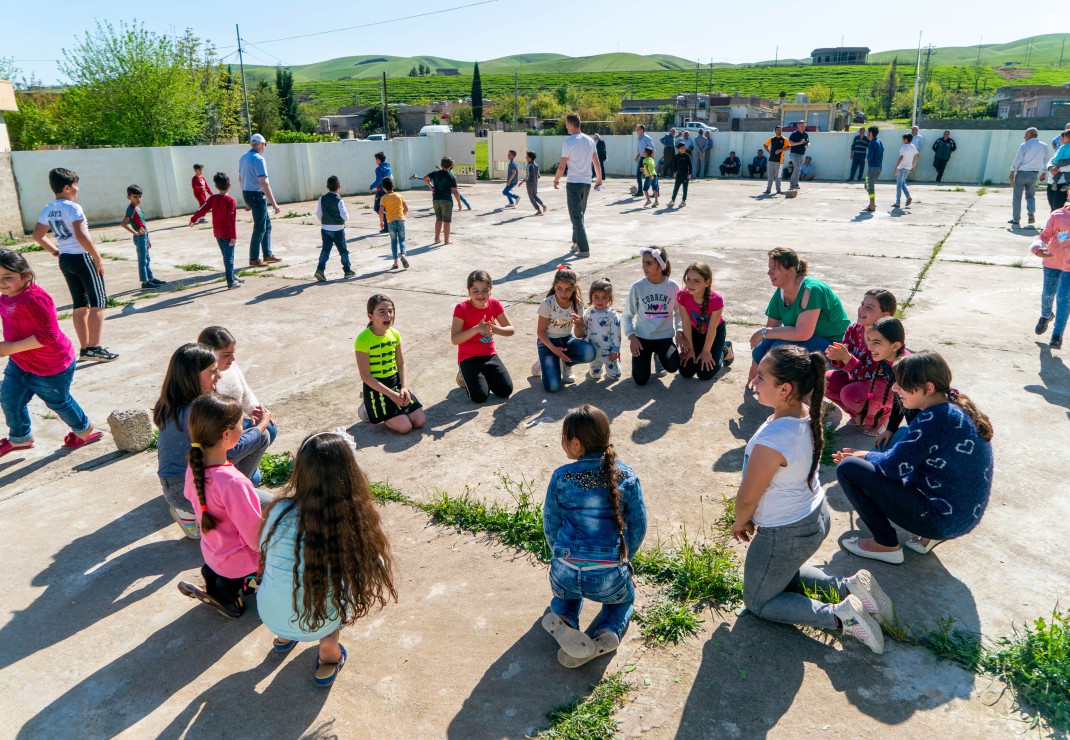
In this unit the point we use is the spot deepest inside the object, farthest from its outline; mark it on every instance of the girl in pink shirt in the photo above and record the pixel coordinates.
(1053, 245)
(226, 505)
(853, 373)
(41, 359)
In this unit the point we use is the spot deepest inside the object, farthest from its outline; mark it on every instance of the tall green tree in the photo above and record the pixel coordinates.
(477, 95)
(284, 84)
(264, 110)
(889, 86)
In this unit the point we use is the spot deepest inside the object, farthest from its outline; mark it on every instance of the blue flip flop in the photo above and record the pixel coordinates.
(326, 681)
(283, 648)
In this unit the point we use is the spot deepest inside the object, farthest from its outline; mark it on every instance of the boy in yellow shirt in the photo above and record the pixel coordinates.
(396, 208)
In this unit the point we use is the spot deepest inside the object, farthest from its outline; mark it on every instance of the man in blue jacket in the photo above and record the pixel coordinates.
(382, 169)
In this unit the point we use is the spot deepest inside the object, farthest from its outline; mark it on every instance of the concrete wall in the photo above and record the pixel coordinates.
(298, 172)
(1005, 124)
(10, 216)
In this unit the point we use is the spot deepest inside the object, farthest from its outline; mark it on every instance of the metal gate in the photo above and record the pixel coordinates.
(461, 147)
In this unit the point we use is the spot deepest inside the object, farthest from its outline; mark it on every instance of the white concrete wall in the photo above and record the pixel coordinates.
(298, 172)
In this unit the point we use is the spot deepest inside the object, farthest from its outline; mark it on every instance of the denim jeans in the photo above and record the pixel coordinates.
(639, 175)
(507, 191)
(858, 164)
(651, 183)
(227, 250)
(261, 238)
(813, 344)
(796, 170)
(1024, 182)
(397, 237)
(901, 184)
(576, 194)
(141, 244)
(1057, 290)
(880, 501)
(250, 450)
(580, 351)
(20, 386)
(336, 239)
(465, 202)
(609, 585)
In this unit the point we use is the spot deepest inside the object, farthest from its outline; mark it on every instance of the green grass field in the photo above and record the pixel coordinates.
(1040, 50)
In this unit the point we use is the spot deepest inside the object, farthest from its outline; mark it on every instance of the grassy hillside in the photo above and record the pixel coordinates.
(1044, 52)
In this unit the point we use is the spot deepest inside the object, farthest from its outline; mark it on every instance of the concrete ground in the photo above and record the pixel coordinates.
(95, 641)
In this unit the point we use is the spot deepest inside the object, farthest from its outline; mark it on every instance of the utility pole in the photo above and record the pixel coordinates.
(979, 50)
(917, 76)
(244, 91)
(1028, 50)
(709, 98)
(516, 95)
(386, 119)
(694, 116)
(1061, 50)
(776, 56)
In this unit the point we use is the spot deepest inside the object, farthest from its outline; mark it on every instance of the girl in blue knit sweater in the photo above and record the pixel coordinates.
(936, 481)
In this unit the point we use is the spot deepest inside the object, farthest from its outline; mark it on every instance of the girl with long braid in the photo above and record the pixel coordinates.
(704, 350)
(594, 520)
(886, 343)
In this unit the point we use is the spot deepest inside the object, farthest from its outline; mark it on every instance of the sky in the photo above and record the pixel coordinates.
(705, 30)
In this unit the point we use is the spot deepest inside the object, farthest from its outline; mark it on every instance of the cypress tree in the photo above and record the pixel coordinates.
(477, 96)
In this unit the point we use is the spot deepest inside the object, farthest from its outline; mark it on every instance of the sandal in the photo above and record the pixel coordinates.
(573, 642)
(233, 612)
(327, 678)
(281, 647)
(914, 543)
(605, 642)
(729, 355)
(6, 446)
(72, 441)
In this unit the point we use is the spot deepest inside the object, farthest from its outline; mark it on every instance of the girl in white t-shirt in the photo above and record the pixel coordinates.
(559, 330)
(781, 510)
(904, 166)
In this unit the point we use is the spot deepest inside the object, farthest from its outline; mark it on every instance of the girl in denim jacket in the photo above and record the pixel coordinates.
(594, 520)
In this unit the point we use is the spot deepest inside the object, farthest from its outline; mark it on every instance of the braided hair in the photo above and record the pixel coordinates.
(210, 415)
(706, 273)
(891, 329)
(805, 371)
(590, 426)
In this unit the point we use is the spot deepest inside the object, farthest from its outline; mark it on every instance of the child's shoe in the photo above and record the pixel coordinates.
(362, 412)
(147, 284)
(595, 372)
(320, 277)
(566, 375)
(404, 262)
(604, 642)
(655, 202)
(231, 611)
(536, 369)
(395, 265)
(157, 282)
(575, 643)
(1056, 341)
(858, 624)
(864, 586)
(188, 524)
(613, 370)
(683, 203)
(349, 274)
(672, 204)
(460, 379)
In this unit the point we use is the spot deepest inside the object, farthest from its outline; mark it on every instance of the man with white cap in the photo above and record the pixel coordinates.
(256, 191)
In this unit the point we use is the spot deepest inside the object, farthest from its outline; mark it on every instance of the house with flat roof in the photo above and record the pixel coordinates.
(840, 55)
(1032, 101)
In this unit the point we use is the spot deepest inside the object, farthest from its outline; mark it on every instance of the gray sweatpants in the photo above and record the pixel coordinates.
(796, 170)
(1024, 182)
(775, 573)
(772, 175)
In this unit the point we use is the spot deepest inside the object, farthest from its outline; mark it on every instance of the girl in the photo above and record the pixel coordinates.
(559, 318)
(194, 370)
(326, 560)
(594, 520)
(231, 379)
(42, 359)
(226, 504)
(1053, 245)
(381, 364)
(852, 366)
(885, 341)
(650, 317)
(601, 329)
(475, 323)
(936, 481)
(782, 512)
(700, 308)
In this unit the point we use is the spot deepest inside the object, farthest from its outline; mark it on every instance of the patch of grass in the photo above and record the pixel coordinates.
(114, 257)
(1036, 662)
(295, 214)
(114, 302)
(26, 249)
(900, 312)
(668, 621)
(247, 272)
(63, 316)
(49, 415)
(956, 645)
(590, 718)
(384, 492)
(179, 286)
(972, 262)
(957, 189)
(982, 190)
(146, 296)
(366, 207)
(107, 239)
(9, 241)
(1018, 263)
(276, 469)
(948, 342)
(728, 516)
(193, 267)
(690, 572)
(155, 439)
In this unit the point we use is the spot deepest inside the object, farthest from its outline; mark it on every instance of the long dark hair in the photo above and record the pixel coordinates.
(590, 425)
(790, 363)
(375, 300)
(14, 262)
(568, 275)
(340, 538)
(891, 329)
(913, 371)
(182, 383)
(216, 337)
(210, 415)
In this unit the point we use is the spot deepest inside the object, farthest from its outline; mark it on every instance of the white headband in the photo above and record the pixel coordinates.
(341, 432)
(655, 253)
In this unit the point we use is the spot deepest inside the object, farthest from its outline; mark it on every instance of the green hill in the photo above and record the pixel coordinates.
(1041, 51)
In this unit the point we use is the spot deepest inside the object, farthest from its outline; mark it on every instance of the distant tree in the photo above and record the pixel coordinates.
(889, 86)
(8, 69)
(264, 109)
(373, 120)
(545, 106)
(33, 124)
(412, 72)
(284, 86)
(820, 93)
(477, 95)
(424, 70)
(462, 118)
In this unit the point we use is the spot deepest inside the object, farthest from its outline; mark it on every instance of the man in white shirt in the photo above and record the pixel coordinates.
(908, 160)
(642, 141)
(578, 148)
(1027, 168)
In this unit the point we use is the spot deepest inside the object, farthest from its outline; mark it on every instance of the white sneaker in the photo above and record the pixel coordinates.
(566, 375)
(858, 624)
(613, 371)
(874, 600)
(362, 412)
(595, 373)
(672, 204)
(536, 369)
(189, 525)
(661, 373)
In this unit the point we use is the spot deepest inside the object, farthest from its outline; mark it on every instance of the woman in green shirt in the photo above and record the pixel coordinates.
(802, 311)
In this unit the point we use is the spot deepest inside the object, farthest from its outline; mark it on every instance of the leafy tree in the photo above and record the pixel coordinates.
(8, 69)
(412, 72)
(33, 124)
(373, 120)
(477, 95)
(462, 118)
(820, 93)
(284, 84)
(545, 106)
(264, 110)
(889, 86)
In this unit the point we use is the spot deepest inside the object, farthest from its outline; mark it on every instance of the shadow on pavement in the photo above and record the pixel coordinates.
(1056, 378)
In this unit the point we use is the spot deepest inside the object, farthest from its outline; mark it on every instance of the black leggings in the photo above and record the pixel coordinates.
(676, 186)
(483, 374)
(663, 348)
(226, 590)
(690, 367)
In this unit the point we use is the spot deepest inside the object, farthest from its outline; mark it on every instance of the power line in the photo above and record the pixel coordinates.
(278, 59)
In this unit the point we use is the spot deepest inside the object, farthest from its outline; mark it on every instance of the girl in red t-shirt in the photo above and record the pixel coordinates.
(475, 323)
(704, 350)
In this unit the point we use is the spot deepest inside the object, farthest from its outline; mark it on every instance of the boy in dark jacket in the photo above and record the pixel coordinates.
(331, 212)
(682, 167)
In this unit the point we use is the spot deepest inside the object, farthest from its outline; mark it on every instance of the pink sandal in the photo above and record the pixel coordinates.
(72, 441)
(6, 446)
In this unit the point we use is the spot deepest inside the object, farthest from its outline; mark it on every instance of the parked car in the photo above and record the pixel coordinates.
(436, 129)
(376, 137)
(697, 126)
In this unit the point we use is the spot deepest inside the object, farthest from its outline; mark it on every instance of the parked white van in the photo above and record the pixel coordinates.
(436, 129)
(697, 126)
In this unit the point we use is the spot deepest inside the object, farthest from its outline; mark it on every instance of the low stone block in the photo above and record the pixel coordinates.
(131, 429)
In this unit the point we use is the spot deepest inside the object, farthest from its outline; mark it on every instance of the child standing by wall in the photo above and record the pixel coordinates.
(382, 169)
(594, 520)
(394, 207)
(331, 213)
(682, 167)
(782, 512)
(651, 320)
(444, 189)
(601, 329)
(224, 224)
(140, 231)
(848, 382)
(40, 359)
(322, 573)
(1053, 245)
(226, 505)
(381, 364)
(531, 180)
(700, 308)
(475, 322)
(512, 179)
(650, 177)
(79, 262)
(559, 326)
(201, 191)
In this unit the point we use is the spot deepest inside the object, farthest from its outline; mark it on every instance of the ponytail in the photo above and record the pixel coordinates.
(864, 411)
(817, 395)
(611, 478)
(590, 426)
(210, 415)
(979, 418)
(805, 371)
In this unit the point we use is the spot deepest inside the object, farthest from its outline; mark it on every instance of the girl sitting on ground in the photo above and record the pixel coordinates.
(601, 329)
(700, 308)
(650, 316)
(782, 512)
(231, 378)
(594, 519)
(847, 383)
(381, 365)
(886, 341)
(326, 560)
(935, 482)
(41, 359)
(560, 325)
(226, 505)
(475, 324)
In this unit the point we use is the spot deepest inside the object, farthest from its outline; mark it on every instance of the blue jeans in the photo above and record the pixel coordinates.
(1057, 290)
(1024, 182)
(336, 239)
(144, 272)
(813, 344)
(20, 386)
(508, 193)
(463, 200)
(858, 164)
(228, 259)
(261, 238)
(610, 586)
(651, 183)
(397, 237)
(901, 184)
(576, 194)
(580, 351)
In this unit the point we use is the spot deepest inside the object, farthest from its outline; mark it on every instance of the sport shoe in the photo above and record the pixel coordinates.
(661, 373)
(404, 262)
(1013, 222)
(567, 376)
(232, 611)
(536, 369)
(320, 277)
(672, 204)
(272, 258)
(349, 274)
(595, 373)
(236, 284)
(909, 200)
(1042, 325)
(147, 284)
(575, 247)
(189, 526)
(1032, 219)
(1056, 341)
(613, 371)
(99, 353)
(683, 203)
(858, 624)
(362, 412)
(460, 379)
(157, 282)
(256, 263)
(863, 585)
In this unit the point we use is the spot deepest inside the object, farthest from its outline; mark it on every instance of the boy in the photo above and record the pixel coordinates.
(682, 165)
(79, 261)
(394, 210)
(135, 216)
(650, 176)
(512, 179)
(443, 184)
(531, 178)
(331, 212)
(904, 166)
(382, 169)
(224, 224)
(201, 191)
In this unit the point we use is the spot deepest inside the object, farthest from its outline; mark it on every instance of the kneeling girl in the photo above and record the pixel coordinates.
(381, 364)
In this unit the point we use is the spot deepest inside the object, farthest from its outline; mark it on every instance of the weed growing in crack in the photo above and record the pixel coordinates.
(1036, 662)
(590, 718)
(668, 621)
